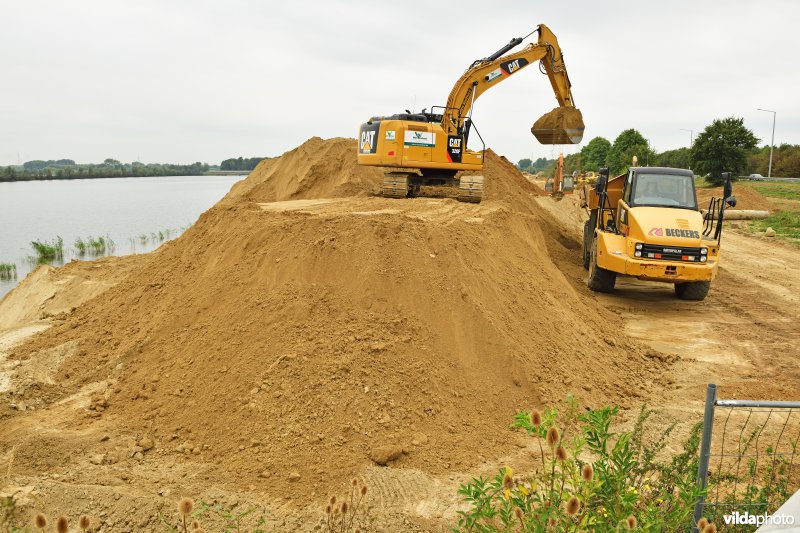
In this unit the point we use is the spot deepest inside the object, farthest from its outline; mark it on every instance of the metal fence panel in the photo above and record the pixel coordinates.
(747, 464)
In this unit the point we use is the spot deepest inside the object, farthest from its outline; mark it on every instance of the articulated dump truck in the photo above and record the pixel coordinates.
(646, 224)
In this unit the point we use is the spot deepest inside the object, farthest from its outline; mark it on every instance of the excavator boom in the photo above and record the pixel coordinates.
(563, 125)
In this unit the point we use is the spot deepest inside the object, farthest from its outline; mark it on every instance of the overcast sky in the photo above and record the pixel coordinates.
(184, 81)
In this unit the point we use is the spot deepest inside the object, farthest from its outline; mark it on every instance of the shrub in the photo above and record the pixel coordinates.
(588, 478)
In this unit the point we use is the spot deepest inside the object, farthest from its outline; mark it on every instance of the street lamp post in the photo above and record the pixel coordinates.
(691, 136)
(772, 142)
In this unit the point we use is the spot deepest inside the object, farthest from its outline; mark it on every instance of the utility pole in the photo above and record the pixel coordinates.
(691, 136)
(772, 142)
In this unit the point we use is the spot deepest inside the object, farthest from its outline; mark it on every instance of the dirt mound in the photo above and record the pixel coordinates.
(316, 169)
(285, 345)
(49, 292)
(746, 197)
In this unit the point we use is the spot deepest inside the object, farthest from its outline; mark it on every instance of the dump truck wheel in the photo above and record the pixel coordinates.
(588, 235)
(692, 290)
(600, 279)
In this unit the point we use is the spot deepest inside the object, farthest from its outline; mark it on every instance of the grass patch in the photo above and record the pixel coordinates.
(94, 246)
(8, 271)
(785, 223)
(48, 250)
(101, 245)
(788, 191)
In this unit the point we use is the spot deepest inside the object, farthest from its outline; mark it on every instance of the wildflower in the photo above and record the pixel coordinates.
(630, 522)
(61, 524)
(561, 453)
(536, 418)
(185, 506)
(506, 494)
(552, 437)
(573, 505)
(41, 521)
(508, 480)
(587, 472)
(84, 523)
(710, 528)
(702, 523)
(523, 490)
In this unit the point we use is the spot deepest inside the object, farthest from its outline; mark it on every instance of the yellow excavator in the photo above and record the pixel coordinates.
(647, 224)
(430, 148)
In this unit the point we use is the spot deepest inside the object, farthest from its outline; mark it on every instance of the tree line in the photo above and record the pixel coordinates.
(111, 168)
(725, 145)
(241, 163)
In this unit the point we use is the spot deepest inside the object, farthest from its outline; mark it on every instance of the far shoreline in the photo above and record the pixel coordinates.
(71, 178)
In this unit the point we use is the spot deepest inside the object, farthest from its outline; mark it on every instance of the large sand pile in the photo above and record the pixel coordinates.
(287, 344)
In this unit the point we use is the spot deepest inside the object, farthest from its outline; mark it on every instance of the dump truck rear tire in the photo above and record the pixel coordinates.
(600, 279)
(692, 290)
(588, 235)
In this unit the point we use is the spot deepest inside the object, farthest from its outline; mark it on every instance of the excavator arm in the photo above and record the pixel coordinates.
(563, 125)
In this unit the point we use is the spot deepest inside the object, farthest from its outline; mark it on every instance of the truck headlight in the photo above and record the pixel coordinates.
(703, 258)
(638, 254)
(704, 251)
(639, 246)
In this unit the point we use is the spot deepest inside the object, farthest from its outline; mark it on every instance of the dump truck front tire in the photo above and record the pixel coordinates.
(600, 279)
(692, 290)
(588, 235)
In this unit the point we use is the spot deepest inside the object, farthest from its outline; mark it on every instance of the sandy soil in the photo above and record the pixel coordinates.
(304, 333)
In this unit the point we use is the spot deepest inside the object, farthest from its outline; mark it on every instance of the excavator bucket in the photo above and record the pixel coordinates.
(562, 125)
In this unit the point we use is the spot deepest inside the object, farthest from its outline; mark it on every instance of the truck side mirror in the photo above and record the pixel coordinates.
(727, 188)
(602, 181)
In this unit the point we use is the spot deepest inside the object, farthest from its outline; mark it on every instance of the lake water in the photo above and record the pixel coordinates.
(137, 213)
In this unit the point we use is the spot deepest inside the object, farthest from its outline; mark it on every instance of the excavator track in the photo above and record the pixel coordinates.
(396, 184)
(470, 189)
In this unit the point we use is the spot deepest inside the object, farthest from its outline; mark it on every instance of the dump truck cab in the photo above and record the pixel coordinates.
(647, 224)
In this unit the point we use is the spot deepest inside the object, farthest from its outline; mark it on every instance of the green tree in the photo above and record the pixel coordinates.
(723, 147)
(524, 164)
(678, 158)
(595, 153)
(629, 143)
